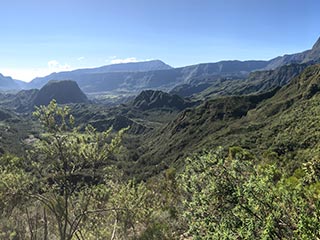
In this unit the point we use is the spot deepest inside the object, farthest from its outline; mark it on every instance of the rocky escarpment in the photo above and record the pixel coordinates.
(63, 92)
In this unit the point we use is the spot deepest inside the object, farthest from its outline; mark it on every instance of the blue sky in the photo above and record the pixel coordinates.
(39, 37)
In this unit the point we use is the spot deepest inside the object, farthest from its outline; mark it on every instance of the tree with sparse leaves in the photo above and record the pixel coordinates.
(70, 168)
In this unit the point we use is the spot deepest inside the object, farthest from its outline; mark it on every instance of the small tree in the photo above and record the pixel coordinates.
(69, 166)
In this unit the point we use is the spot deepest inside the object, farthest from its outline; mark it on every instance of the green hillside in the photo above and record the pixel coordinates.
(283, 121)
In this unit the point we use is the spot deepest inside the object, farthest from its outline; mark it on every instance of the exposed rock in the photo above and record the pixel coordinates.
(63, 92)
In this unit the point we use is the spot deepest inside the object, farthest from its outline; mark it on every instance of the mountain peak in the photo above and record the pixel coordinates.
(316, 45)
(65, 91)
(7, 83)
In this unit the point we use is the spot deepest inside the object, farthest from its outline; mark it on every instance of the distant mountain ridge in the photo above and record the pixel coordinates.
(7, 83)
(257, 82)
(312, 55)
(163, 79)
(121, 67)
(155, 74)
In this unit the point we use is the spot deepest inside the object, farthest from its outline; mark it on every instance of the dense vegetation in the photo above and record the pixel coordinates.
(66, 188)
(282, 122)
(153, 168)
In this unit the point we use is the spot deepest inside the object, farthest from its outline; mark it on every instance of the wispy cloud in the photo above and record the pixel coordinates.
(55, 66)
(126, 60)
(109, 59)
(80, 58)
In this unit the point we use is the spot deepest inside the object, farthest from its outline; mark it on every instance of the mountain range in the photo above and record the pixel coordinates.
(155, 74)
(163, 78)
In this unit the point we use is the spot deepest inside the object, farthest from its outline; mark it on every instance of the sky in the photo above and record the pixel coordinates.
(41, 36)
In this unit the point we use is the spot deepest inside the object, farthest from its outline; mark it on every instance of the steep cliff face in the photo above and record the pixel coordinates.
(312, 55)
(63, 92)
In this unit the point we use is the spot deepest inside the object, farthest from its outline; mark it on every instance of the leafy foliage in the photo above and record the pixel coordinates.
(233, 198)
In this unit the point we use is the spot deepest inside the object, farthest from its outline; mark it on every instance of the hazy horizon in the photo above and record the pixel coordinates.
(39, 38)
